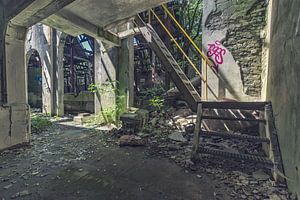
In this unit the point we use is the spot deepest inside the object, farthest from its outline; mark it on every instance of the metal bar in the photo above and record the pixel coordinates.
(247, 157)
(275, 153)
(187, 35)
(197, 131)
(229, 135)
(206, 80)
(233, 119)
(149, 16)
(234, 105)
(182, 51)
(72, 67)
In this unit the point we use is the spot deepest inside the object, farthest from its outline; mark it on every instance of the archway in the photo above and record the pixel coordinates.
(78, 66)
(34, 78)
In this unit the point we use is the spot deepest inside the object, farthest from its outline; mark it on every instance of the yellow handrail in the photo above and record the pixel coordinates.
(206, 80)
(185, 55)
(187, 35)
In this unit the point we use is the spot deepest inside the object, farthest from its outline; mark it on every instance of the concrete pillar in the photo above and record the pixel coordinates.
(47, 72)
(3, 24)
(105, 72)
(58, 73)
(43, 39)
(15, 65)
(125, 73)
(14, 113)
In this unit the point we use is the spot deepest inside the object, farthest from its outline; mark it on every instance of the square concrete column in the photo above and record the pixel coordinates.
(105, 72)
(58, 72)
(125, 73)
(47, 71)
(14, 111)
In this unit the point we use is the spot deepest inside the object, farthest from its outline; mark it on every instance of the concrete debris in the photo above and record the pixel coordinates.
(234, 179)
(7, 186)
(21, 194)
(131, 140)
(177, 136)
(189, 128)
(260, 175)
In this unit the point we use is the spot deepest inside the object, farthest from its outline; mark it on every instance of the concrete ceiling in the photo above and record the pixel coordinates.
(105, 12)
(84, 16)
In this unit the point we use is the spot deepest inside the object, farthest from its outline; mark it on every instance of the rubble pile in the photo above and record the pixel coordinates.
(169, 134)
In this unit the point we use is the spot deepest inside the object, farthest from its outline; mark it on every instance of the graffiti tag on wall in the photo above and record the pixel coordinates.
(215, 52)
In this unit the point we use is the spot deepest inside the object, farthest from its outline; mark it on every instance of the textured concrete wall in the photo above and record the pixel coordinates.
(14, 112)
(105, 71)
(235, 27)
(84, 102)
(49, 44)
(2, 33)
(283, 87)
(39, 38)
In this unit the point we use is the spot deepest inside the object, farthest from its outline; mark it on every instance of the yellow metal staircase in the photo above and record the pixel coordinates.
(200, 105)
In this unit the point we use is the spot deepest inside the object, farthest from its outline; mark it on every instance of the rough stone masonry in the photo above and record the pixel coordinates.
(241, 24)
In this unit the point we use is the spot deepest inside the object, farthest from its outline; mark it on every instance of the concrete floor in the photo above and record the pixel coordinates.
(74, 163)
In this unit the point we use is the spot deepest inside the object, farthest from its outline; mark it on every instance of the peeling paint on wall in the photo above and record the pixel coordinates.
(238, 25)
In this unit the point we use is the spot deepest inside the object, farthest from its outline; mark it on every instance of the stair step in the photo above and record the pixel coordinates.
(226, 154)
(233, 119)
(234, 105)
(171, 66)
(228, 135)
(180, 73)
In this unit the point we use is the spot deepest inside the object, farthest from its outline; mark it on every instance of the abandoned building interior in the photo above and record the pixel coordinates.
(160, 99)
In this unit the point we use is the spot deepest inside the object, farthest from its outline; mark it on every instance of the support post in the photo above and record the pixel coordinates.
(197, 132)
(15, 113)
(274, 148)
(125, 75)
(105, 72)
(58, 74)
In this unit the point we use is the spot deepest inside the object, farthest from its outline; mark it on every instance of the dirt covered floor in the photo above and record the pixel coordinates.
(75, 162)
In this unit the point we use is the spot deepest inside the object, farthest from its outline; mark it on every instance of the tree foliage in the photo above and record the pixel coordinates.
(189, 14)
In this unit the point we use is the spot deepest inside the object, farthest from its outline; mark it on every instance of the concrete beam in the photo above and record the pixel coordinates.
(75, 25)
(39, 10)
(128, 33)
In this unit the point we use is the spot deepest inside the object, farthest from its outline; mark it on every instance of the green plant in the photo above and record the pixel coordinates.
(40, 123)
(103, 88)
(157, 102)
(107, 115)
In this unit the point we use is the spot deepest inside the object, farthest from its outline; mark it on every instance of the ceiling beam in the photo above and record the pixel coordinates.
(71, 23)
(39, 10)
(128, 33)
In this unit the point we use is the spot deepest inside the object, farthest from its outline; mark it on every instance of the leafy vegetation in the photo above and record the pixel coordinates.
(157, 102)
(189, 14)
(40, 123)
(107, 115)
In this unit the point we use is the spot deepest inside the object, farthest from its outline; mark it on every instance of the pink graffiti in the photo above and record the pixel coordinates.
(215, 53)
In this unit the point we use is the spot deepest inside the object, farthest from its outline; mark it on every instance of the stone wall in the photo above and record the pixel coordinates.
(238, 26)
(84, 102)
(283, 85)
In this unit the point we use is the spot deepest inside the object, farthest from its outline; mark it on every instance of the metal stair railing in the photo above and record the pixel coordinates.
(206, 61)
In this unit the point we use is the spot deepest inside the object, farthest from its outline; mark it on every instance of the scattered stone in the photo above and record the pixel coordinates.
(154, 121)
(260, 175)
(274, 197)
(189, 128)
(173, 147)
(183, 112)
(199, 176)
(131, 140)
(8, 186)
(35, 173)
(177, 136)
(21, 194)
